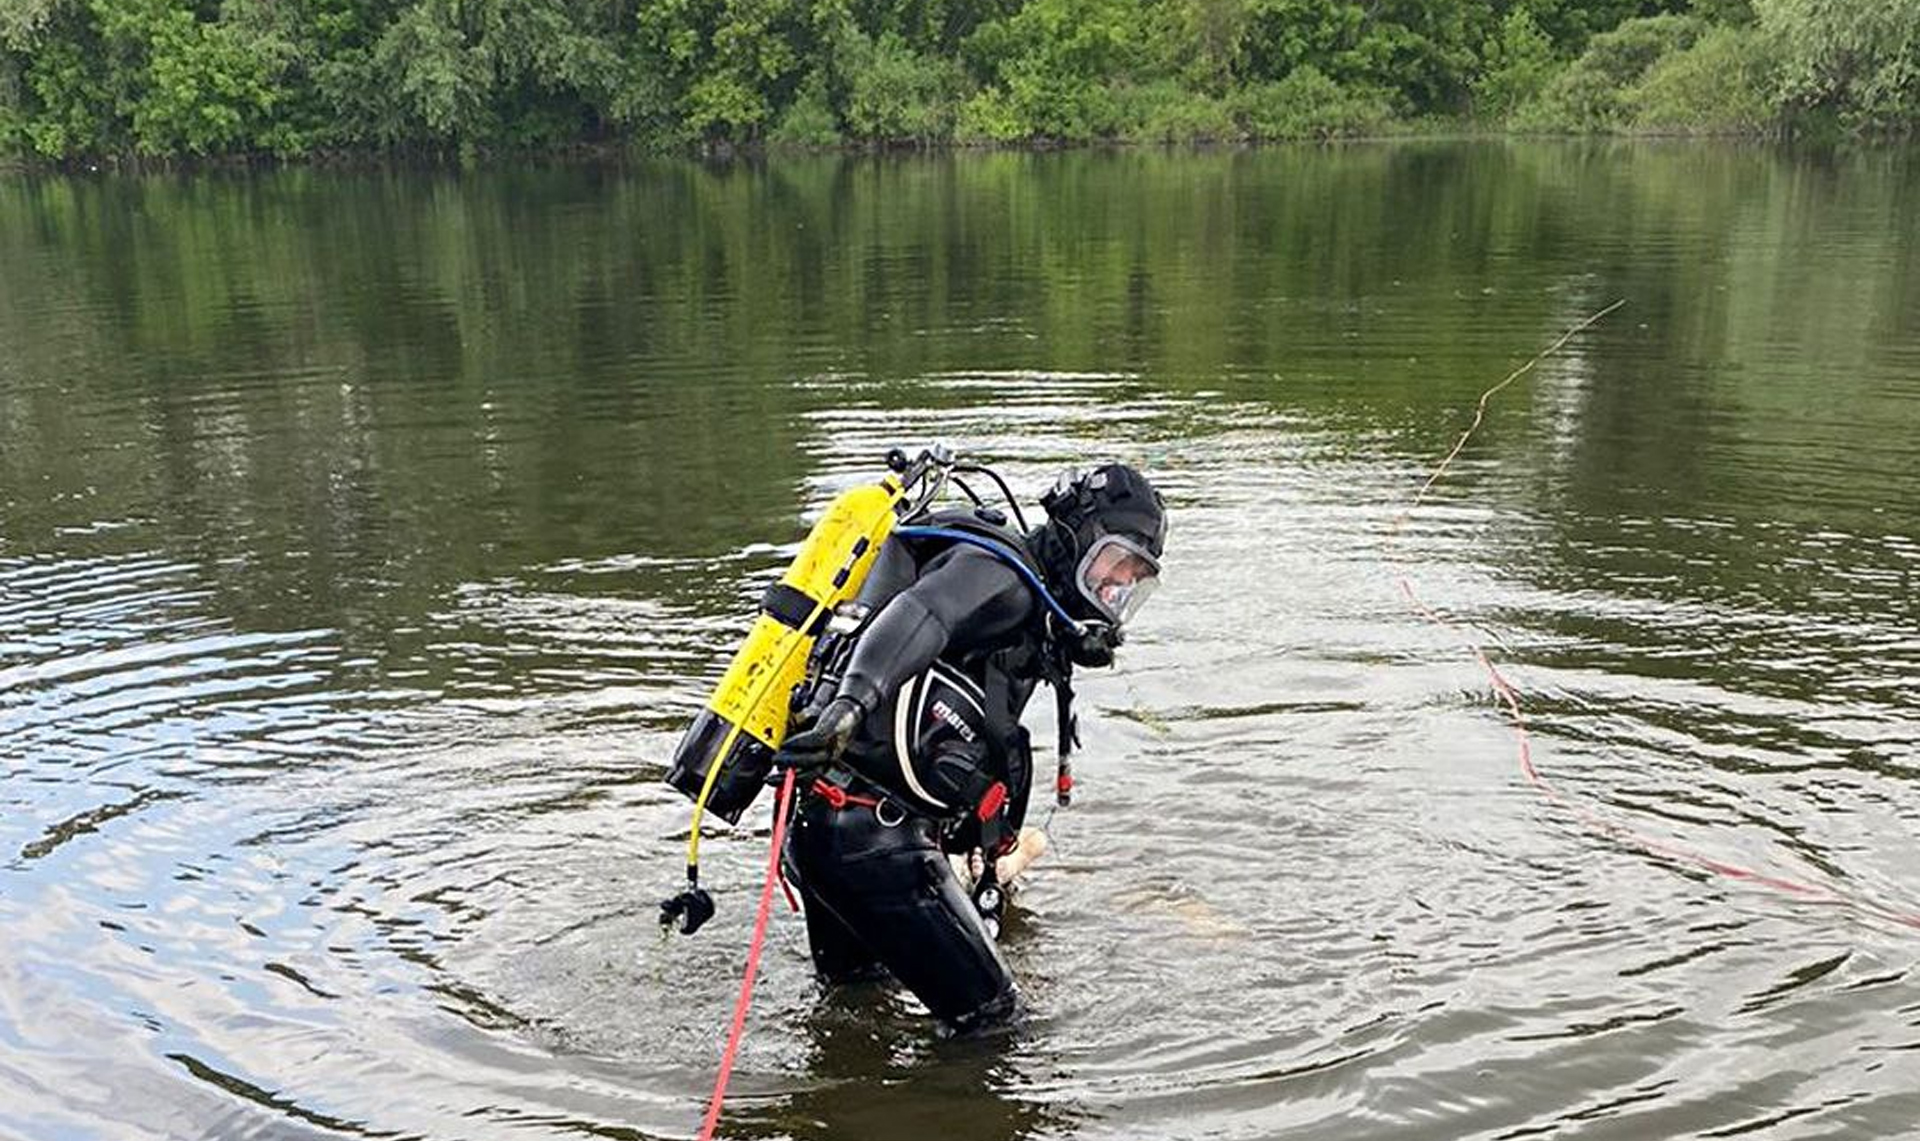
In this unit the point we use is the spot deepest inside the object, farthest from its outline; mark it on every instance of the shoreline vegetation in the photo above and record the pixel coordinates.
(152, 82)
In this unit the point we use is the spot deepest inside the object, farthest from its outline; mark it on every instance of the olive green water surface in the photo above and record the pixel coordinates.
(366, 538)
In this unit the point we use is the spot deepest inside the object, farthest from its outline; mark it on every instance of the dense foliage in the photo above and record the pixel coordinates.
(206, 77)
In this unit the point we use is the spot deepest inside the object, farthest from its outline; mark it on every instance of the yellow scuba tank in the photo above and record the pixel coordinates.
(728, 751)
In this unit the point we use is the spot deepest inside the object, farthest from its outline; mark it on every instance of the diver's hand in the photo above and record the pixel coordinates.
(1094, 643)
(1032, 845)
(829, 736)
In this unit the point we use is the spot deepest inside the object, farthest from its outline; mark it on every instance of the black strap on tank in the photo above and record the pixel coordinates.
(791, 607)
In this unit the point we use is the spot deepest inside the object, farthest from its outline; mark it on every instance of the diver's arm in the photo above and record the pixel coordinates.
(967, 598)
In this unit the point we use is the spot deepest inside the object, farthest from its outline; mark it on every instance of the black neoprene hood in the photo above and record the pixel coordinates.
(1113, 499)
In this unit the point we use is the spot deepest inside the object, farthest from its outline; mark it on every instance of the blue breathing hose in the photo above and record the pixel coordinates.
(999, 551)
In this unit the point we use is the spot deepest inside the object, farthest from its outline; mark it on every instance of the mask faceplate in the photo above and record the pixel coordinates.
(1117, 575)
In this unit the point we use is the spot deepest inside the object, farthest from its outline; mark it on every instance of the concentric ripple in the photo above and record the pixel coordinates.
(366, 540)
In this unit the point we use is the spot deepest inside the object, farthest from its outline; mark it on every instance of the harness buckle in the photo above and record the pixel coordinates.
(832, 793)
(839, 798)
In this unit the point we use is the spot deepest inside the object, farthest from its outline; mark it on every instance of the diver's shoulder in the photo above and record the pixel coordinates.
(978, 560)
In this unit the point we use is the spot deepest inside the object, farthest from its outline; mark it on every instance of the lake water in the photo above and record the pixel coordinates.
(366, 539)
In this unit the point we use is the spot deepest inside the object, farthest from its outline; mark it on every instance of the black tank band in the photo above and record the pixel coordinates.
(790, 606)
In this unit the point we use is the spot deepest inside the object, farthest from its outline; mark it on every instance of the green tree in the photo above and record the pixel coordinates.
(1309, 105)
(809, 120)
(727, 63)
(1724, 84)
(1163, 111)
(1591, 95)
(1425, 53)
(147, 75)
(1853, 61)
(1201, 43)
(57, 80)
(434, 82)
(201, 77)
(473, 72)
(21, 21)
(1570, 24)
(1054, 61)
(1287, 34)
(207, 88)
(896, 93)
(1727, 13)
(1516, 66)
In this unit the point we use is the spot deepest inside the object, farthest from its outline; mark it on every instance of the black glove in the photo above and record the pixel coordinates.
(822, 743)
(1094, 645)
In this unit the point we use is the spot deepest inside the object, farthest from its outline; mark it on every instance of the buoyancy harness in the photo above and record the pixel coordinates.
(950, 746)
(1052, 661)
(804, 634)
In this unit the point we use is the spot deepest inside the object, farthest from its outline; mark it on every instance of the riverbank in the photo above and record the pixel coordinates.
(113, 83)
(418, 158)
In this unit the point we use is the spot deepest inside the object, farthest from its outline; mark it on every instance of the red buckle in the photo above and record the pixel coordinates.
(833, 793)
(839, 797)
(990, 803)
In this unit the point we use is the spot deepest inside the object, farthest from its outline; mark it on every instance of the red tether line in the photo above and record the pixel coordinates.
(753, 960)
(1509, 697)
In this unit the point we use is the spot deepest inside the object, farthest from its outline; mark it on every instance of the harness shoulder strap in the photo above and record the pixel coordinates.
(1054, 666)
(972, 523)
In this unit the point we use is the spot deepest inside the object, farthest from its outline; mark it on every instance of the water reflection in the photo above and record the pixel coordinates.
(365, 538)
(872, 1070)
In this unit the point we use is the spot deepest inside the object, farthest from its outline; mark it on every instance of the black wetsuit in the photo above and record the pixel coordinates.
(878, 889)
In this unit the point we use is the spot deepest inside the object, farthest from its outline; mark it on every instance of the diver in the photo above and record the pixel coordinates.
(912, 748)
